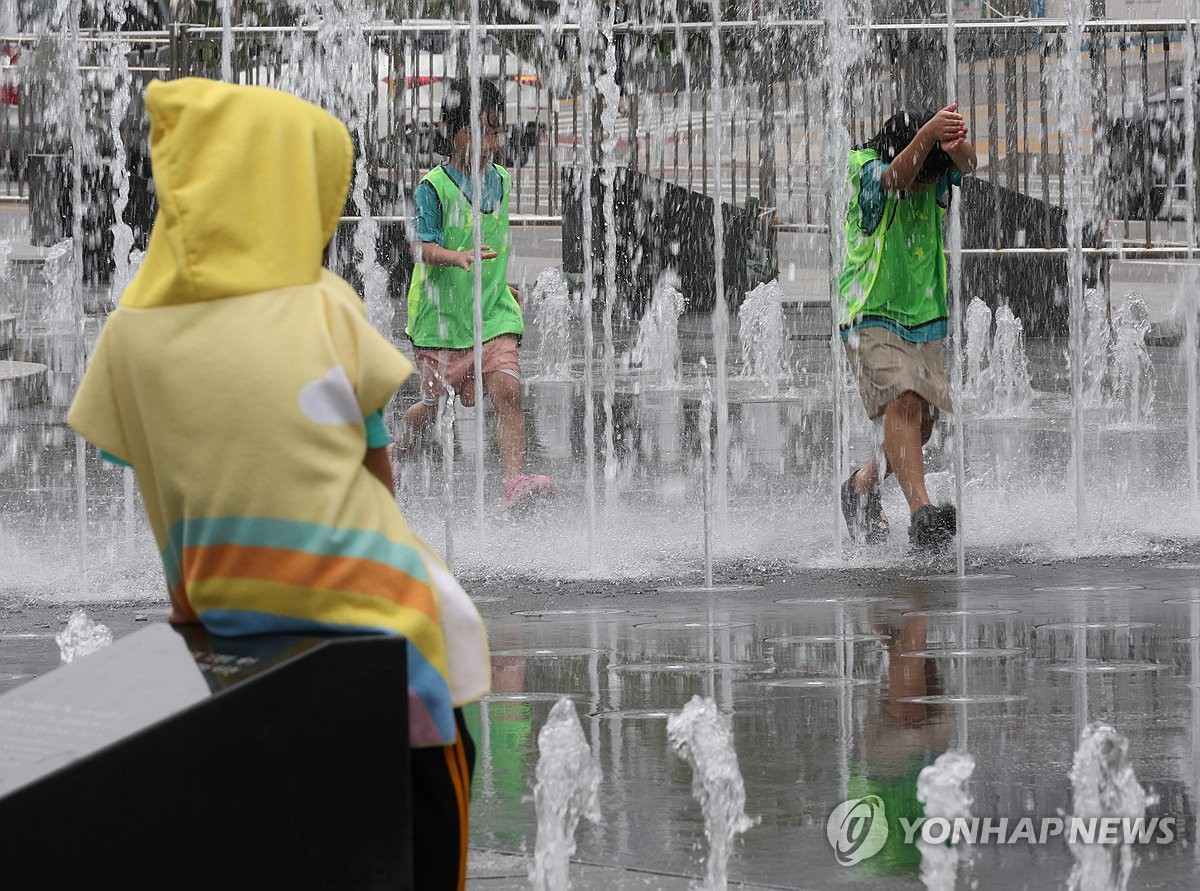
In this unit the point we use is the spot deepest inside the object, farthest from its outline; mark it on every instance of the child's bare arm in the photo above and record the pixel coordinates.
(436, 255)
(962, 153)
(945, 126)
(377, 461)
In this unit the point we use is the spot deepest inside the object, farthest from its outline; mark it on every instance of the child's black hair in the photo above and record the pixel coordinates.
(456, 103)
(901, 129)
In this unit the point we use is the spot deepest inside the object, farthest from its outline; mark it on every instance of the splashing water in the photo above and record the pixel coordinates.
(568, 778)
(942, 789)
(657, 348)
(1097, 345)
(1012, 392)
(551, 304)
(81, 637)
(703, 737)
(5, 251)
(761, 332)
(979, 330)
(1103, 784)
(1132, 373)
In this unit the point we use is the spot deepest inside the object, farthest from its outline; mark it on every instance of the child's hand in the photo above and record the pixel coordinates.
(954, 143)
(467, 257)
(947, 125)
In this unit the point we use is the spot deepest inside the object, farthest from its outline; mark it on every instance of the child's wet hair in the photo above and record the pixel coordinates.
(456, 103)
(901, 129)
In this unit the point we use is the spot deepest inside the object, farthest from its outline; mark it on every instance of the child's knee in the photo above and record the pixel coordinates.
(505, 390)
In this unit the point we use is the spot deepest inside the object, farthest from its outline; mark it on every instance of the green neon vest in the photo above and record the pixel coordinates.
(441, 299)
(897, 272)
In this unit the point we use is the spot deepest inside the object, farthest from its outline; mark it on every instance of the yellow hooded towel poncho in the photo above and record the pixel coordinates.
(234, 377)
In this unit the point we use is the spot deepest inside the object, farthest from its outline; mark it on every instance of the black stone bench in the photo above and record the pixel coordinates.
(175, 759)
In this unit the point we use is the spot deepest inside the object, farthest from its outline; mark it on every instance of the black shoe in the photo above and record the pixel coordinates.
(864, 514)
(933, 528)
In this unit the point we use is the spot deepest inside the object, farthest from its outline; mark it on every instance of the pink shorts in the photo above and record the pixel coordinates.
(456, 368)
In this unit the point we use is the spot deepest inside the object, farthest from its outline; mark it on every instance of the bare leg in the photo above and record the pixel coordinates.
(907, 426)
(416, 421)
(505, 392)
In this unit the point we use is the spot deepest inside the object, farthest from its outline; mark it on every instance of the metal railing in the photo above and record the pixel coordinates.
(770, 138)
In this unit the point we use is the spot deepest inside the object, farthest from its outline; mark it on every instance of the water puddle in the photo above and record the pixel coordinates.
(526, 697)
(967, 653)
(691, 626)
(821, 683)
(554, 613)
(1092, 588)
(1097, 667)
(1175, 601)
(965, 699)
(955, 577)
(634, 714)
(826, 638)
(845, 601)
(684, 667)
(715, 589)
(548, 652)
(1093, 626)
(961, 613)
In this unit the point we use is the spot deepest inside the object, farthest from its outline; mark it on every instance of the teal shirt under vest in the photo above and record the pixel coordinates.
(441, 299)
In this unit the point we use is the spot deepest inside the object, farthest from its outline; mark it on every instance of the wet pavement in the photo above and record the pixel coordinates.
(1009, 664)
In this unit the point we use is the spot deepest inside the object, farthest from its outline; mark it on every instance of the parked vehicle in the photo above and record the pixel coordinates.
(1147, 160)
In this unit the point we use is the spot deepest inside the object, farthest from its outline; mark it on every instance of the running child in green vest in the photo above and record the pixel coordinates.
(441, 300)
(893, 287)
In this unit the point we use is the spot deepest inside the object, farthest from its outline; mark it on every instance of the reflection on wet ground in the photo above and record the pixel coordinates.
(834, 698)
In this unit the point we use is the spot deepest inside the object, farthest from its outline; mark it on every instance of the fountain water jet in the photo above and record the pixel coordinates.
(568, 778)
(703, 737)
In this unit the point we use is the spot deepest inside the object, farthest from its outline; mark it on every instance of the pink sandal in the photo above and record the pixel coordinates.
(525, 489)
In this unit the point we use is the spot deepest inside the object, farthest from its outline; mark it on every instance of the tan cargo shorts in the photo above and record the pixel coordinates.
(887, 365)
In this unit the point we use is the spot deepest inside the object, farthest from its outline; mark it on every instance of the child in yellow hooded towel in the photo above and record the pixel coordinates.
(244, 384)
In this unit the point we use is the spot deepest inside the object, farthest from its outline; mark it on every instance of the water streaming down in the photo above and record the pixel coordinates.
(1103, 784)
(609, 94)
(568, 778)
(445, 431)
(1012, 391)
(657, 351)
(942, 790)
(1071, 97)
(977, 380)
(842, 50)
(1131, 371)
(552, 311)
(703, 737)
(762, 332)
(1097, 345)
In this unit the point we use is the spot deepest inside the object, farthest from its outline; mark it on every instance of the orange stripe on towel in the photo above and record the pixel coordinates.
(307, 570)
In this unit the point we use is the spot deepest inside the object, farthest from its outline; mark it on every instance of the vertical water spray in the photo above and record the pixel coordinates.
(840, 57)
(1131, 372)
(942, 790)
(474, 52)
(1191, 299)
(706, 403)
(1070, 94)
(656, 349)
(445, 428)
(606, 86)
(977, 382)
(226, 40)
(761, 332)
(955, 299)
(720, 312)
(114, 80)
(1012, 391)
(551, 303)
(568, 779)
(588, 24)
(703, 737)
(1103, 784)
(1097, 345)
